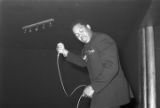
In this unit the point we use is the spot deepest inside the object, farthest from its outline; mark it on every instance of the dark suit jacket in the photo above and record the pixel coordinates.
(106, 75)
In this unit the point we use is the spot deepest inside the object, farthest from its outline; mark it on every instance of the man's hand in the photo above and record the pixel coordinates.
(88, 91)
(61, 49)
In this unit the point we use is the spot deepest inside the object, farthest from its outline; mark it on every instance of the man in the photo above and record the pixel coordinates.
(109, 87)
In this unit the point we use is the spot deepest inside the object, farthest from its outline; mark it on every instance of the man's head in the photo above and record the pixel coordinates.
(82, 32)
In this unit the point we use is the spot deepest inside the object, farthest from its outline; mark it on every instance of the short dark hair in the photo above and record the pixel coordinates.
(79, 21)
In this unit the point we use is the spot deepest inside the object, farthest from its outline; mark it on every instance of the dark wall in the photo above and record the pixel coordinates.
(157, 60)
(30, 79)
(28, 61)
(115, 18)
(130, 64)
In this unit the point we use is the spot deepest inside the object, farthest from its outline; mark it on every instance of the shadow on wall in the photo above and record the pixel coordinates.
(132, 104)
(130, 64)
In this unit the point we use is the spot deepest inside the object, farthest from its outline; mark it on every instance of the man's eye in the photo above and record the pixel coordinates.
(81, 31)
(78, 35)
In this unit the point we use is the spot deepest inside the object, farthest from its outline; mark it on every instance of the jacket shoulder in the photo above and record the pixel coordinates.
(104, 37)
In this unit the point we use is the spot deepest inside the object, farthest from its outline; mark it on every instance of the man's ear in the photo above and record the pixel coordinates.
(88, 26)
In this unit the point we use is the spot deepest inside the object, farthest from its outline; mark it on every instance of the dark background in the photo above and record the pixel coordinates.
(28, 68)
(157, 60)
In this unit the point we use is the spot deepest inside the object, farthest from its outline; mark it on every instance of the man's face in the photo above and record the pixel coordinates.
(82, 33)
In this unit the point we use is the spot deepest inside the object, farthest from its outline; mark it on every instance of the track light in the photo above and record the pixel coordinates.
(36, 25)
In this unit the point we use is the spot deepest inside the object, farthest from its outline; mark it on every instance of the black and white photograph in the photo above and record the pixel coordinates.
(79, 53)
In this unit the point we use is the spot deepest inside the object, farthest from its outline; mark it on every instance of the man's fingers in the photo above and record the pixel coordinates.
(84, 95)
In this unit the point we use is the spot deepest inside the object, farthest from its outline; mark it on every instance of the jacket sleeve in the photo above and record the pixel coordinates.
(75, 59)
(107, 57)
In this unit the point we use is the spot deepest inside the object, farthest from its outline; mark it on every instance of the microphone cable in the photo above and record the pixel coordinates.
(61, 81)
(60, 76)
(79, 100)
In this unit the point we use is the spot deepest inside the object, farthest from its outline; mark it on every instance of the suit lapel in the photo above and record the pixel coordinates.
(89, 46)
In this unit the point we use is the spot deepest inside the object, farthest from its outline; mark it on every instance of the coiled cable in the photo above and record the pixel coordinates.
(61, 81)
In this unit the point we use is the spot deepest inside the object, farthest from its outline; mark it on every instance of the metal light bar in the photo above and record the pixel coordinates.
(144, 68)
(151, 71)
(38, 23)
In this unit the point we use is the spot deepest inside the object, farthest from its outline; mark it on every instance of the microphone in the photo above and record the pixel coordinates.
(60, 45)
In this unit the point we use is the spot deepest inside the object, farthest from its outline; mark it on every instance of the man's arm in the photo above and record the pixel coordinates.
(107, 57)
(70, 56)
(75, 59)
